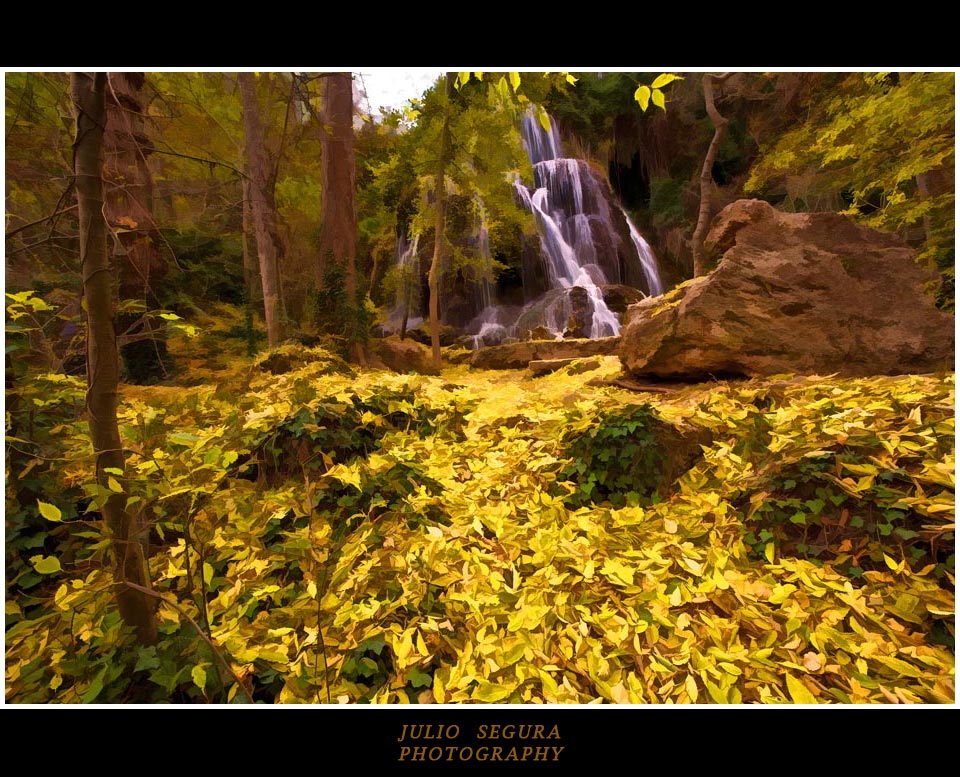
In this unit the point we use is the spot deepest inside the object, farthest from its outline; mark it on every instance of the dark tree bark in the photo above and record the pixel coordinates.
(706, 172)
(264, 216)
(338, 218)
(251, 269)
(103, 361)
(129, 212)
(439, 245)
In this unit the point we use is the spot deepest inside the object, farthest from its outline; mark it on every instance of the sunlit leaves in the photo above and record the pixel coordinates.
(644, 94)
(872, 138)
(49, 511)
(799, 693)
(663, 79)
(46, 565)
(415, 533)
(199, 676)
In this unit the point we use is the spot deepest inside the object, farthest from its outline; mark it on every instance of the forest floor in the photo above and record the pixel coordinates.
(488, 536)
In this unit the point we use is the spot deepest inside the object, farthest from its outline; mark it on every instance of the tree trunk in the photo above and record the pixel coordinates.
(251, 271)
(706, 172)
(264, 218)
(440, 201)
(129, 212)
(338, 218)
(103, 360)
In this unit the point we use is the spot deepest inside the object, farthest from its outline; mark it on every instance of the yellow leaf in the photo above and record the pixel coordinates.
(663, 79)
(799, 692)
(619, 694)
(514, 80)
(199, 677)
(768, 551)
(690, 685)
(439, 692)
(670, 526)
(114, 486)
(50, 512)
(892, 564)
(616, 572)
(404, 645)
(658, 100)
(46, 565)
(642, 96)
(421, 646)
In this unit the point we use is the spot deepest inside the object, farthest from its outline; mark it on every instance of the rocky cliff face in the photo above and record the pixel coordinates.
(810, 293)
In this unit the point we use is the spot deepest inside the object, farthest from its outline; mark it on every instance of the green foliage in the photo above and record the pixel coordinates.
(617, 458)
(42, 336)
(487, 155)
(209, 267)
(873, 137)
(666, 202)
(334, 313)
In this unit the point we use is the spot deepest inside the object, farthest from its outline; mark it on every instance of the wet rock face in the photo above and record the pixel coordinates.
(809, 293)
(581, 314)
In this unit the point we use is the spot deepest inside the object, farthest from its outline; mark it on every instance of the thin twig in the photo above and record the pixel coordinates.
(156, 150)
(203, 636)
(53, 215)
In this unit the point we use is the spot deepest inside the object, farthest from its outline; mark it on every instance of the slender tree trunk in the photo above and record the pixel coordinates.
(103, 360)
(440, 201)
(251, 271)
(706, 172)
(264, 218)
(338, 218)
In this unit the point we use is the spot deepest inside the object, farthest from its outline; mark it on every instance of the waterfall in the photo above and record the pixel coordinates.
(586, 241)
(484, 291)
(406, 307)
(647, 260)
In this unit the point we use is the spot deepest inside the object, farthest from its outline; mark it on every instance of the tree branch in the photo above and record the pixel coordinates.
(53, 215)
(216, 651)
(199, 159)
(706, 172)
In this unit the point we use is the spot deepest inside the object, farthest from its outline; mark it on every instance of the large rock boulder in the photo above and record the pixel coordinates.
(810, 293)
(403, 355)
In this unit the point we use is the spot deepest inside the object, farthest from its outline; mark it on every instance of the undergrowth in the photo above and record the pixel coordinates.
(324, 535)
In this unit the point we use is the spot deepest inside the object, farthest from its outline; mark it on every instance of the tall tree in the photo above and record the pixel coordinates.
(706, 172)
(264, 217)
(440, 205)
(336, 262)
(129, 212)
(103, 360)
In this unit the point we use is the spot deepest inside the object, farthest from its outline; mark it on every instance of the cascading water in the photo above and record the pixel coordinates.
(406, 307)
(586, 242)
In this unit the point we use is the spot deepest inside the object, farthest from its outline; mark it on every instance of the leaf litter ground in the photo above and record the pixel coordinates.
(365, 536)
